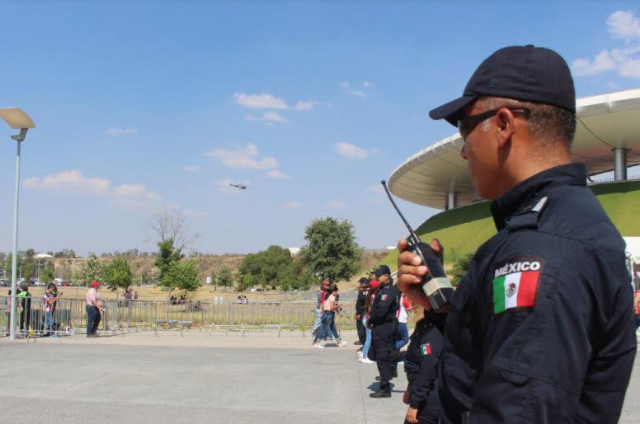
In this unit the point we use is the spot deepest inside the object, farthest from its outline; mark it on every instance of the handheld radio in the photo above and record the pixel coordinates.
(435, 283)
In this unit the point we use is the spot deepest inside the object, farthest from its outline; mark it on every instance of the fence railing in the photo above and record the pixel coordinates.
(70, 315)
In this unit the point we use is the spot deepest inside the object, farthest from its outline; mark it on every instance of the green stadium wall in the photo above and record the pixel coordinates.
(464, 229)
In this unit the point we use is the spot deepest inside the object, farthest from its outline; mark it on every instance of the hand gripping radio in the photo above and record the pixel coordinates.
(435, 283)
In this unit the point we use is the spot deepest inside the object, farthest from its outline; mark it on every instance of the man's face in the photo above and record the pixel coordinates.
(481, 152)
(383, 278)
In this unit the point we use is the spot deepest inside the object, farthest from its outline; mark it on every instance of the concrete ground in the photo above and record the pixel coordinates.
(260, 378)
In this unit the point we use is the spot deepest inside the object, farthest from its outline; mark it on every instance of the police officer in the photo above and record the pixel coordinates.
(541, 327)
(383, 322)
(420, 365)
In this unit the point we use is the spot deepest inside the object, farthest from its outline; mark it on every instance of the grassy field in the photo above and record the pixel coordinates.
(464, 229)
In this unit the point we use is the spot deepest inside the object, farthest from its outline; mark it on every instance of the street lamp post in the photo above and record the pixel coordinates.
(16, 119)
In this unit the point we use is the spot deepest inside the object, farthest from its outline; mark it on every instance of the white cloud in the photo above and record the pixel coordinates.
(246, 157)
(121, 131)
(277, 174)
(294, 204)
(134, 191)
(269, 101)
(601, 63)
(70, 182)
(624, 25)
(191, 168)
(351, 151)
(73, 182)
(269, 117)
(260, 101)
(336, 204)
(353, 91)
(625, 61)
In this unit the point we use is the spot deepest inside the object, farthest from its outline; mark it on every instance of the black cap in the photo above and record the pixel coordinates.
(363, 281)
(527, 73)
(382, 270)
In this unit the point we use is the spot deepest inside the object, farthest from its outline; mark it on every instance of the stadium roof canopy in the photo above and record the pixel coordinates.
(605, 122)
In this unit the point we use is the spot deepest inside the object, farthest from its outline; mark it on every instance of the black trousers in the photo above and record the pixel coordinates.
(93, 319)
(384, 347)
(25, 319)
(362, 332)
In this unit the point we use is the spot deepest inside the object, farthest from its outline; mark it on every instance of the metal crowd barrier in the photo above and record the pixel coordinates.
(123, 315)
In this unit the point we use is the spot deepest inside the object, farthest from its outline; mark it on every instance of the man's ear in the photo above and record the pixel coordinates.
(505, 122)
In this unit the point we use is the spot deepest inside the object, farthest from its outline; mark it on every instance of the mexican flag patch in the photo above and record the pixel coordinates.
(384, 297)
(515, 284)
(425, 349)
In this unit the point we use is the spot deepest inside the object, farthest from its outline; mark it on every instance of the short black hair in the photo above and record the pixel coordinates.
(547, 123)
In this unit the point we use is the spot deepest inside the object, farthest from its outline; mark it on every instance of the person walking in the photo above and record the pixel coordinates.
(360, 304)
(541, 328)
(383, 322)
(402, 333)
(321, 297)
(330, 307)
(374, 288)
(93, 309)
(420, 365)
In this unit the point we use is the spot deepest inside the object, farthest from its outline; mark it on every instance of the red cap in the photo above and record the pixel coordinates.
(326, 283)
(374, 283)
(95, 284)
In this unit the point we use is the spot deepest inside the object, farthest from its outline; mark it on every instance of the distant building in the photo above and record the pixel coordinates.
(294, 251)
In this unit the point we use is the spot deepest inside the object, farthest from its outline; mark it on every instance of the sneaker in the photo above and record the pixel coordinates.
(360, 355)
(357, 343)
(366, 361)
(342, 343)
(318, 346)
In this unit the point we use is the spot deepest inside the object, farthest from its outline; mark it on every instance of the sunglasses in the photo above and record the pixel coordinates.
(469, 122)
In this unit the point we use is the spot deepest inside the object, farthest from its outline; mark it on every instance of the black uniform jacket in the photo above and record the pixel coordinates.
(360, 302)
(385, 306)
(542, 325)
(420, 365)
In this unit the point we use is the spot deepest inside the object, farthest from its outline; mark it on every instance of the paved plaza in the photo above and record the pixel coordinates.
(198, 378)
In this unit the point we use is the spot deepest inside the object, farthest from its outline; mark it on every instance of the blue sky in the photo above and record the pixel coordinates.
(145, 105)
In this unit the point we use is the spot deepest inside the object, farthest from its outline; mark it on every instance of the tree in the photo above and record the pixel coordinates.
(118, 274)
(182, 275)
(332, 252)
(28, 270)
(47, 274)
(225, 278)
(91, 270)
(460, 268)
(168, 254)
(171, 224)
(265, 266)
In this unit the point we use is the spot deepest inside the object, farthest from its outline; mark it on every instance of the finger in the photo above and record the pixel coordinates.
(438, 249)
(403, 245)
(409, 258)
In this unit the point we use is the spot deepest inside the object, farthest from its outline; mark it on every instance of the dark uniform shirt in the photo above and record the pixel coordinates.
(542, 325)
(420, 365)
(385, 306)
(360, 302)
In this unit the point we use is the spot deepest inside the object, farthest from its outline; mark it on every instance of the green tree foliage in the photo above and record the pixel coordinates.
(117, 274)
(28, 270)
(168, 254)
(47, 273)
(265, 266)
(91, 270)
(182, 275)
(225, 277)
(460, 268)
(332, 252)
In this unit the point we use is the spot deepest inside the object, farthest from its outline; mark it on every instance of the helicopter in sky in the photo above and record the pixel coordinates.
(240, 186)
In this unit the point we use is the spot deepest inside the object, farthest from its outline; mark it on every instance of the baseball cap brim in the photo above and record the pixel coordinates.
(449, 111)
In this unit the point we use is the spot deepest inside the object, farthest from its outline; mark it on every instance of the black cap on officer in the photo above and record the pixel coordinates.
(382, 270)
(364, 281)
(527, 73)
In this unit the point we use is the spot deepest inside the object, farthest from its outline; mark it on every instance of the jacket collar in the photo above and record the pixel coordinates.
(574, 174)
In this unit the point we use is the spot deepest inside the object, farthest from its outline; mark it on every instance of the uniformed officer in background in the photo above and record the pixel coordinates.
(383, 323)
(420, 365)
(541, 327)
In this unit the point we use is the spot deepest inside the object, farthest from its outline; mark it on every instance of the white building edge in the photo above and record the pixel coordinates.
(607, 138)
